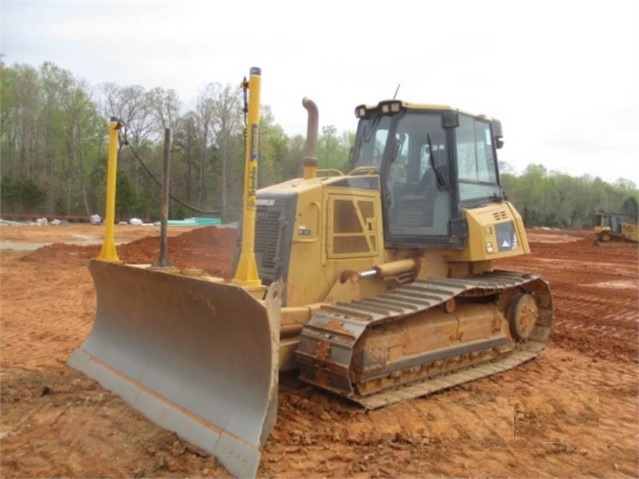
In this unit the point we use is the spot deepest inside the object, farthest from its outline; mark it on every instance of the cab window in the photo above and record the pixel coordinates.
(476, 162)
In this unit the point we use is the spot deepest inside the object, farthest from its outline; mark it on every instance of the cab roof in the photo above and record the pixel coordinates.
(405, 105)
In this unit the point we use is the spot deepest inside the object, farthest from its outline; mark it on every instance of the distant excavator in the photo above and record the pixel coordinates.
(380, 284)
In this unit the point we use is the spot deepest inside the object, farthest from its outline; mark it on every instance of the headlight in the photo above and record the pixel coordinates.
(360, 111)
(393, 106)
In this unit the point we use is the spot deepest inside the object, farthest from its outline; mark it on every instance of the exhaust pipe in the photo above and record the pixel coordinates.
(310, 159)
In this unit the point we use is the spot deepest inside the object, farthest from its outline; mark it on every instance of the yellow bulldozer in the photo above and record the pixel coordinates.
(615, 229)
(379, 284)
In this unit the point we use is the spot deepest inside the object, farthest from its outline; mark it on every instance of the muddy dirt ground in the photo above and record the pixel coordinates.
(572, 412)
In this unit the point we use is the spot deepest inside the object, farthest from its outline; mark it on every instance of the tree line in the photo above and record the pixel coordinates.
(53, 152)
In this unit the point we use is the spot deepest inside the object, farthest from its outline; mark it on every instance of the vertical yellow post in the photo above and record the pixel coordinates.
(108, 252)
(246, 272)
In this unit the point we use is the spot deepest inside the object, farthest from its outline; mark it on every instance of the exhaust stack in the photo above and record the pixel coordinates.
(310, 159)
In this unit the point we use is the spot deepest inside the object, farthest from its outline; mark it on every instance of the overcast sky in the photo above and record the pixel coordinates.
(561, 75)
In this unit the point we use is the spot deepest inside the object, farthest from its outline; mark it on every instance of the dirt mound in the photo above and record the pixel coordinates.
(207, 248)
(61, 253)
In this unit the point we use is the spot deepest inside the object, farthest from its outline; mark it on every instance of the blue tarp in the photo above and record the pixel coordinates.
(195, 221)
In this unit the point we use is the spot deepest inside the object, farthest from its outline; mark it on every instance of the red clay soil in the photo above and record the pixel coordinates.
(572, 412)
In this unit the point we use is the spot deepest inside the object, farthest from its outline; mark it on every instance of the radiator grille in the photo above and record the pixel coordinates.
(267, 238)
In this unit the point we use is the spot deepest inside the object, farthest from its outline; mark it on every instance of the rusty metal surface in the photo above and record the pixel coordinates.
(196, 357)
(346, 369)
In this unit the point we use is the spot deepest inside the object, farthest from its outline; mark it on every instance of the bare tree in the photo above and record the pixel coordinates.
(131, 105)
(204, 119)
(227, 128)
(165, 106)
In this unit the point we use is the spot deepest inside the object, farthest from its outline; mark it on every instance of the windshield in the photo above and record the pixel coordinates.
(476, 161)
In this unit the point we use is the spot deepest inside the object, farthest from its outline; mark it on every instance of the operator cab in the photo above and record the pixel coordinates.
(433, 161)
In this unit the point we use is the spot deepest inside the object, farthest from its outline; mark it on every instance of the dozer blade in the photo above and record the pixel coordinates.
(197, 357)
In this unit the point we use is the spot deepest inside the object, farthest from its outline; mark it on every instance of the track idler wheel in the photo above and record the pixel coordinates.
(522, 316)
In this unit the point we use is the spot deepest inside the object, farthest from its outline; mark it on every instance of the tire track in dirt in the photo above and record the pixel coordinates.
(613, 317)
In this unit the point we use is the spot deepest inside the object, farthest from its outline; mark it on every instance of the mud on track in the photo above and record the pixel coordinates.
(570, 413)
